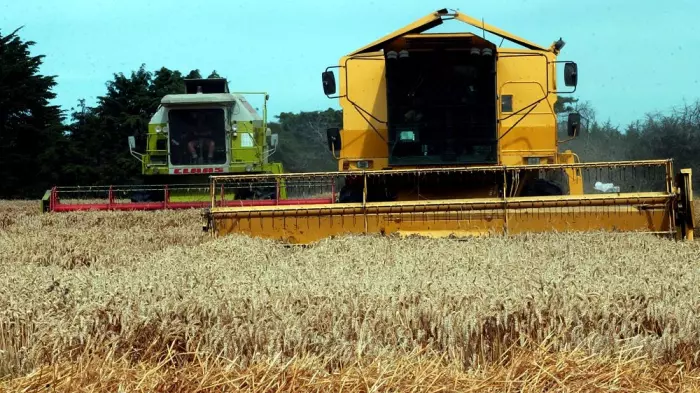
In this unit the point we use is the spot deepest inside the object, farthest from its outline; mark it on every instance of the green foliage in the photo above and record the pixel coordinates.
(194, 74)
(166, 81)
(38, 151)
(303, 143)
(675, 135)
(31, 132)
(565, 104)
(99, 134)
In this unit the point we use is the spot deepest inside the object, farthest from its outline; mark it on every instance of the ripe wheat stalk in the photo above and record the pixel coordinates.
(148, 302)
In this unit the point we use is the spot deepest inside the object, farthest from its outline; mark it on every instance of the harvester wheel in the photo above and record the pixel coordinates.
(147, 196)
(256, 193)
(350, 195)
(265, 193)
(542, 187)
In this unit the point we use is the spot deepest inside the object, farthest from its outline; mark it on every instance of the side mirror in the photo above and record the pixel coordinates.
(571, 74)
(573, 124)
(267, 97)
(333, 135)
(274, 140)
(328, 79)
(132, 146)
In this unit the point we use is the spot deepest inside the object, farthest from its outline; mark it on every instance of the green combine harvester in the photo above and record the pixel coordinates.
(205, 131)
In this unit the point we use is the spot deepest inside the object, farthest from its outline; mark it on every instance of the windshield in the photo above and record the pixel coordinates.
(197, 136)
(442, 109)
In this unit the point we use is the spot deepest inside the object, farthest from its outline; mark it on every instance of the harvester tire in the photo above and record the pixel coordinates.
(542, 187)
(265, 193)
(257, 193)
(350, 195)
(147, 196)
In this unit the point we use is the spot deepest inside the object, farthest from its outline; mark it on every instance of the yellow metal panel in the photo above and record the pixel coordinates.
(524, 74)
(530, 127)
(574, 174)
(435, 18)
(441, 35)
(648, 212)
(377, 163)
(364, 131)
(495, 30)
(310, 228)
(425, 23)
(684, 184)
(364, 144)
(436, 170)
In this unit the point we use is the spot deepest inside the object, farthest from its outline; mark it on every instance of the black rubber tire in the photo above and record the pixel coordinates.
(265, 193)
(147, 196)
(244, 194)
(349, 195)
(542, 187)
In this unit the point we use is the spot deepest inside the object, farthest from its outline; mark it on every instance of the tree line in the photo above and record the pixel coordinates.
(42, 145)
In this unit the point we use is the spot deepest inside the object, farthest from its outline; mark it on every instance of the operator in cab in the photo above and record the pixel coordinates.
(200, 137)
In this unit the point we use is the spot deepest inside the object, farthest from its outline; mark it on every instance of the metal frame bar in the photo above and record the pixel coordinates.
(492, 168)
(55, 205)
(633, 199)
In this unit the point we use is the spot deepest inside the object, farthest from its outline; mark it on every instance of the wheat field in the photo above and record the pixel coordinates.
(145, 301)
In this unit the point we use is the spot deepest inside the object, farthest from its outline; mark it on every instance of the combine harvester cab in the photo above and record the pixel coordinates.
(191, 136)
(449, 134)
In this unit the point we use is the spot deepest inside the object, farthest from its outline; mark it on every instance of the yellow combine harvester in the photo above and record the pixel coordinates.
(450, 135)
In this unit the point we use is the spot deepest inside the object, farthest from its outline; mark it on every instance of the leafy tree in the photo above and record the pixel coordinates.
(31, 132)
(658, 136)
(79, 165)
(100, 134)
(194, 74)
(564, 104)
(303, 143)
(37, 151)
(165, 82)
(676, 135)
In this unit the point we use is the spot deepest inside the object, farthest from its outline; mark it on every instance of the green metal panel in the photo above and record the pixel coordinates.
(246, 138)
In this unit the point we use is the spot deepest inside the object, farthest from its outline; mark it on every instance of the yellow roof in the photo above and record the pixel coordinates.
(435, 19)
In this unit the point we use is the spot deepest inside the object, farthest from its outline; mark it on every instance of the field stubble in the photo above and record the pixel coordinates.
(146, 300)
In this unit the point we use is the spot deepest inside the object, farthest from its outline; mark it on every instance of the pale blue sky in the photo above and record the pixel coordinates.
(633, 56)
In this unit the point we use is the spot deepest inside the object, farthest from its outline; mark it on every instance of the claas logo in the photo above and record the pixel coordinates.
(192, 171)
